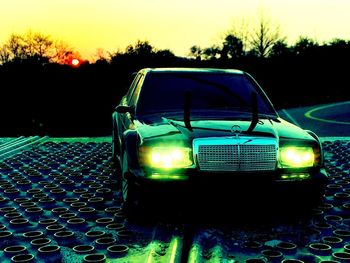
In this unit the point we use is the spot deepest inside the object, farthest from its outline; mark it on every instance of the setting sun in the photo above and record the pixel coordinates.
(75, 62)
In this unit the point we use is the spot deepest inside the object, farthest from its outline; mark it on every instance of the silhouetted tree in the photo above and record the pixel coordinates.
(17, 47)
(196, 52)
(232, 47)
(38, 45)
(84, 98)
(280, 49)
(211, 53)
(164, 54)
(304, 45)
(5, 55)
(62, 53)
(143, 48)
(29, 46)
(241, 30)
(34, 46)
(102, 55)
(339, 44)
(263, 37)
(140, 55)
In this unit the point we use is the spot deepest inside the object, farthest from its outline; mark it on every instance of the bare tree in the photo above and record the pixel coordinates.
(102, 55)
(240, 29)
(264, 36)
(35, 46)
(62, 53)
(39, 45)
(16, 47)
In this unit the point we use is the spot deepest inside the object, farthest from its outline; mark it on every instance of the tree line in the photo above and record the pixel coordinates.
(35, 47)
(43, 94)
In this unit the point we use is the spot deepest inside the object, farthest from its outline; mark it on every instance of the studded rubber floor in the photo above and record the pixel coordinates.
(60, 202)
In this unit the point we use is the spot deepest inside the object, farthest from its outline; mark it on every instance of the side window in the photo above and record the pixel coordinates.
(136, 92)
(132, 87)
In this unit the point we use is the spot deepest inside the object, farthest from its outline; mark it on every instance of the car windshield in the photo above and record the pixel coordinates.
(208, 92)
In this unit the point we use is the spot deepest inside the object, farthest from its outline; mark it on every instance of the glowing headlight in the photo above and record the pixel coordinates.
(168, 157)
(296, 157)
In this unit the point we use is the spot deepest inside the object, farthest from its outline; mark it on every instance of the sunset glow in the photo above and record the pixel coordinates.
(176, 25)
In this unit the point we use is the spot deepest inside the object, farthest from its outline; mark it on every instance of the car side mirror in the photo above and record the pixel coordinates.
(124, 109)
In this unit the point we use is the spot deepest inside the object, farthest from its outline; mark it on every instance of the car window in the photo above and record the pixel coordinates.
(136, 91)
(132, 87)
(164, 92)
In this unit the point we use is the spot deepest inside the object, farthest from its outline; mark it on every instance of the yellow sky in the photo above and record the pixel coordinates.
(167, 24)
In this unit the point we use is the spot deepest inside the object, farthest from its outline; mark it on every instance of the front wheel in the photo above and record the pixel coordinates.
(130, 192)
(115, 147)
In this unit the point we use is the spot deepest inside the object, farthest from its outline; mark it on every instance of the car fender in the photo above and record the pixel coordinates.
(115, 137)
(320, 145)
(130, 145)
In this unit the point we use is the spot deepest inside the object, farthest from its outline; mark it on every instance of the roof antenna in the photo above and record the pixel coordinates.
(187, 108)
(255, 113)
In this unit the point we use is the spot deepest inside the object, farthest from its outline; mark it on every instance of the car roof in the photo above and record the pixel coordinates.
(192, 70)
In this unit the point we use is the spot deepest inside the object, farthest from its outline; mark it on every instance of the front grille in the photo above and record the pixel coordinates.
(231, 154)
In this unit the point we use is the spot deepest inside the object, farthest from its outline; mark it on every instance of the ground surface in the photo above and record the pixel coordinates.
(325, 120)
(60, 194)
(60, 202)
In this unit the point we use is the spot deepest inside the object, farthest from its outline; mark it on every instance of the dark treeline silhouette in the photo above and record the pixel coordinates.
(42, 97)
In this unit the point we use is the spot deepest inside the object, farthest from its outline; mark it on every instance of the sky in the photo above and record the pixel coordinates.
(87, 25)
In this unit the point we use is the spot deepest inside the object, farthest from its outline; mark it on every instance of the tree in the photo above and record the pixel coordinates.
(211, 52)
(304, 45)
(142, 54)
(38, 45)
(196, 52)
(62, 53)
(241, 29)
(232, 47)
(339, 43)
(102, 55)
(143, 48)
(164, 54)
(263, 37)
(16, 47)
(280, 48)
(33, 46)
(5, 55)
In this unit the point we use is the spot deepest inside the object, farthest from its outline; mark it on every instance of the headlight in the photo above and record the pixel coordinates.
(167, 157)
(296, 157)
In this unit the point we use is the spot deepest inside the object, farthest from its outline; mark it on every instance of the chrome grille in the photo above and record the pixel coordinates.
(235, 154)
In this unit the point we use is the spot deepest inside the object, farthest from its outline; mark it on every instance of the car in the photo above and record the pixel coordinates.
(205, 127)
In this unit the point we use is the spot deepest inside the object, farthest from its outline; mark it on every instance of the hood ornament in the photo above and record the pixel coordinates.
(236, 130)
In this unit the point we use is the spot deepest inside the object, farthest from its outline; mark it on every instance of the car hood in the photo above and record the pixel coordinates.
(168, 129)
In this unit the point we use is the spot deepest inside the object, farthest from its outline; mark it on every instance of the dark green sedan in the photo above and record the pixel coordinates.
(180, 127)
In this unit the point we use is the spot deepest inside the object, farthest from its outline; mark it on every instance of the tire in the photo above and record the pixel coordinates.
(130, 192)
(115, 148)
(115, 144)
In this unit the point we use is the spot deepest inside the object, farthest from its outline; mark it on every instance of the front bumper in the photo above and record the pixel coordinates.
(258, 184)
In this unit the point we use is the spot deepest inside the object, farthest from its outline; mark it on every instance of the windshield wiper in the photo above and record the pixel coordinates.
(255, 113)
(187, 110)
